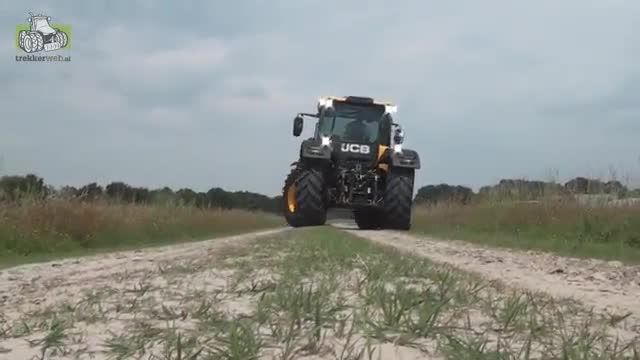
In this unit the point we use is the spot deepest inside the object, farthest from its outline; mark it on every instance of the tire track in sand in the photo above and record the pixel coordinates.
(609, 287)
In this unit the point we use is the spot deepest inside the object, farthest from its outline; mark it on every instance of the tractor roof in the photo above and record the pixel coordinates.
(390, 106)
(357, 100)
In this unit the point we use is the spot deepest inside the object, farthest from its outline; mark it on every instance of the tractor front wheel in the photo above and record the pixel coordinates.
(398, 197)
(303, 197)
(37, 41)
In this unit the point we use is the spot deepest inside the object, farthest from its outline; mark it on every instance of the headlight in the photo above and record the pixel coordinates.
(326, 141)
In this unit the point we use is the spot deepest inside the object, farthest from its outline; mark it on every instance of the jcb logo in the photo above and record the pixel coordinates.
(355, 148)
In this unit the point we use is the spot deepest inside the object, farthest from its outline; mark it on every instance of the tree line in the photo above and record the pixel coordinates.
(521, 190)
(17, 187)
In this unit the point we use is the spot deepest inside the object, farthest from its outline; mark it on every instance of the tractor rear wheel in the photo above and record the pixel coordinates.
(398, 197)
(367, 218)
(26, 43)
(303, 197)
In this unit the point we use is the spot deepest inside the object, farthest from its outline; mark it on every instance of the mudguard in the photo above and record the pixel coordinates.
(311, 149)
(407, 159)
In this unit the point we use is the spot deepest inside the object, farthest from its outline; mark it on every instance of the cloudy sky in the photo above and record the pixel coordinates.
(202, 94)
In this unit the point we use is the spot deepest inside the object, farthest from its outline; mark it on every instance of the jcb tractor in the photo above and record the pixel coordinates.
(355, 160)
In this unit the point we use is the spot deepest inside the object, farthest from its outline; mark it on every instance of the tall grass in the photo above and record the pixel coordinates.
(560, 225)
(63, 226)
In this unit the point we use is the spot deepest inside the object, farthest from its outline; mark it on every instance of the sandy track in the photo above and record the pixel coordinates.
(608, 287)
(38, 288)
(51, 281)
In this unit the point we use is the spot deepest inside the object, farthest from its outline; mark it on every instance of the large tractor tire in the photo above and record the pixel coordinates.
(368, 218)
(303, 196)
(61, 37)
(398, 198)
(27, 42)
(37, 41)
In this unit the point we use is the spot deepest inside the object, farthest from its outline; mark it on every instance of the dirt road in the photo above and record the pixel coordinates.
(77, 307)
(608, 287)
(97, 286)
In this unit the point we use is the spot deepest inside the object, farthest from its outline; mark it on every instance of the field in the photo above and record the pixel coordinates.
(561, 226)
(258, 290)
(32, 231)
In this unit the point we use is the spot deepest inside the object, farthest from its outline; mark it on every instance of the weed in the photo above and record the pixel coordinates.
(53, 342)
(240, 342)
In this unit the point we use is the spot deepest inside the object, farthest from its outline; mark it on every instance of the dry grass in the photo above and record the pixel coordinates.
(558, 225)
(61, 227)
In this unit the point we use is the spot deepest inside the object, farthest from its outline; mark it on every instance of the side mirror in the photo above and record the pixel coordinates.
(297, 125)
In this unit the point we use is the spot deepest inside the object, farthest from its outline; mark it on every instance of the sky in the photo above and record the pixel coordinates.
(202, 94)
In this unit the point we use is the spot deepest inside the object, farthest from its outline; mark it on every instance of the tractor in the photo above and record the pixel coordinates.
(355, 160)
(41, 36)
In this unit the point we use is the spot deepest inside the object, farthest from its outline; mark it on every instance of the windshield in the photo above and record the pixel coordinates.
(352, 123)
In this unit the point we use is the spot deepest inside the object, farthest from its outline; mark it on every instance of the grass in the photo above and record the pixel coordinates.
(562, 227)
(36, 231)
(317, 293)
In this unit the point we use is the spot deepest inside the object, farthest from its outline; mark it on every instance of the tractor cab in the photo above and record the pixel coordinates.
(41, 24)
(356, 128)
(351, 123)
(352, 130)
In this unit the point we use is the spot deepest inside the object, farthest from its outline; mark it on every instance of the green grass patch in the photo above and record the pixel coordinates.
(564, 228)
(37, 231)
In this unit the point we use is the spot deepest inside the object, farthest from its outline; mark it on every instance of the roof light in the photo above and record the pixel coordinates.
(391, 109)
(325, 102)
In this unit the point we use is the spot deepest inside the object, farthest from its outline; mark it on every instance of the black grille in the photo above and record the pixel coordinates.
(363, 165)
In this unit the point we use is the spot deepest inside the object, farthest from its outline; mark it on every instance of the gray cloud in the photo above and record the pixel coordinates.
(202, 94)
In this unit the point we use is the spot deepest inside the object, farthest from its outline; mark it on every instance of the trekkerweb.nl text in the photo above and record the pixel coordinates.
(28, 58)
